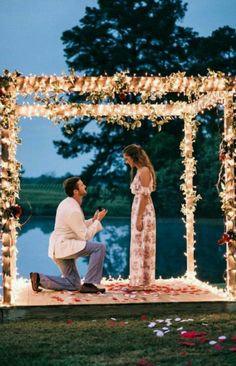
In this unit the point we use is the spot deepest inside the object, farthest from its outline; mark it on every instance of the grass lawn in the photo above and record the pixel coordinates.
(123, 341)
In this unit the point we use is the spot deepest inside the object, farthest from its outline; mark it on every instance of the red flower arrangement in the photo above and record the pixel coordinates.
(226, 237)
(14, 211)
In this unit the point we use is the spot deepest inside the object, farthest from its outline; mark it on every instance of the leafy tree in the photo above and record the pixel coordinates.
(143, 37)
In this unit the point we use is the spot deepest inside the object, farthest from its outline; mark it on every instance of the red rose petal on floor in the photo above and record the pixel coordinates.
(59, 299)
(76, 300)
(188, 344)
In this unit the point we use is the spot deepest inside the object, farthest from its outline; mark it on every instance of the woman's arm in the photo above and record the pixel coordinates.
(145, 178)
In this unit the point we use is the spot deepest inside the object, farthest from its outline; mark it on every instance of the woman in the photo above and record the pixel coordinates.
(143, 220)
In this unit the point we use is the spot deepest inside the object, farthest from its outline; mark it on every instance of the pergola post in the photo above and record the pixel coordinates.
(229, 191)
(189, 192)
(9, 190)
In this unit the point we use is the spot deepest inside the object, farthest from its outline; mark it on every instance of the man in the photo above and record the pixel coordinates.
(70, 240)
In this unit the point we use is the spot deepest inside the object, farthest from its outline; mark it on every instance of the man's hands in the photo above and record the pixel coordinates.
(99, 215)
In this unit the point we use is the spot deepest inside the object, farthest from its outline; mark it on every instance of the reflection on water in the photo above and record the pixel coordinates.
(32, 247)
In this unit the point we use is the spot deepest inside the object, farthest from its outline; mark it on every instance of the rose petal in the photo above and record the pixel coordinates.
(233, 349)
(192, 334)
(188, 344)
(152, 324)
(70, 321)
(143, 317)
(159, 333)
(212, 343)
(222, 338)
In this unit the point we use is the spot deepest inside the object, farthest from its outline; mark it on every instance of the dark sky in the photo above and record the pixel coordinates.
(30, 42)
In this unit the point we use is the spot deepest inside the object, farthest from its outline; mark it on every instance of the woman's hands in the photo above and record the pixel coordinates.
(99, 215)
(139, 223)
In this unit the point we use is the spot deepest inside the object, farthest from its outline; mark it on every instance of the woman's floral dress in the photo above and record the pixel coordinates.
(143, 243)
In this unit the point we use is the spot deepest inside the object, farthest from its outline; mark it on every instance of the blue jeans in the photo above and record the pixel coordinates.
(70, 279)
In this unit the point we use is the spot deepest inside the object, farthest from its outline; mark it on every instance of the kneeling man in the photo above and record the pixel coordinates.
(71, 239)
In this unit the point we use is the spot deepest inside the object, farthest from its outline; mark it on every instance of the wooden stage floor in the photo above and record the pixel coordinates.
(171, 296)
(118, 292)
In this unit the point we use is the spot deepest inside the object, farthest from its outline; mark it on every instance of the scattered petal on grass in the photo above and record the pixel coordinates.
(218, 347)
(152, 324)
(222, 338)
(186, 320)
(203, 340)
(143, 317)
(160, 320)
(113, 318)
(183, 354)
(69, 322)
(233, 337)
(165, 328)
(212, 343)
(111, 323)
(181, 328)
(177, 319)
(192, 334)
(159, 333)
(144, 362)
(188, 344)
(233, 349)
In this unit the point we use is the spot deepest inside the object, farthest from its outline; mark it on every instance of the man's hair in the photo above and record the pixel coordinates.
(70, 184)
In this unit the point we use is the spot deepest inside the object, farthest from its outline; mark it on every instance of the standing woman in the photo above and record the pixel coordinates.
(143, 219)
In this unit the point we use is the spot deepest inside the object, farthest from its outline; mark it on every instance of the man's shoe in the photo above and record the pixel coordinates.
(35, 281)
(90, 288)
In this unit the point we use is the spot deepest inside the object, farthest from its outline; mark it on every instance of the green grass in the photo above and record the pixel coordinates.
(45, 197)
(106, 342)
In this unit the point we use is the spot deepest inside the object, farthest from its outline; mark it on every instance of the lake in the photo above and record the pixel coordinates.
(32, 245)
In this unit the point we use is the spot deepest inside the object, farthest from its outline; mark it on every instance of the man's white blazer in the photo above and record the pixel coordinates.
(71, 230)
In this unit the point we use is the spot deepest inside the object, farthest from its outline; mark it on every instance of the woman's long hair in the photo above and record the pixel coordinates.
(140, 157)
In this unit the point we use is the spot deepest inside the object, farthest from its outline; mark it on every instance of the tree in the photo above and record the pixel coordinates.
(139, 36)
(143, 37)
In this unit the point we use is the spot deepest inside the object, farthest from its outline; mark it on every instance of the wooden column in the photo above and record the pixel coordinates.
(229, 202)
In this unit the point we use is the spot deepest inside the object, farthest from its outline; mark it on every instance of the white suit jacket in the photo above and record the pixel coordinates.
(71, 230)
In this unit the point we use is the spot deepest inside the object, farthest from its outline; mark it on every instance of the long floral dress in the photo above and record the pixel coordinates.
(143, 243)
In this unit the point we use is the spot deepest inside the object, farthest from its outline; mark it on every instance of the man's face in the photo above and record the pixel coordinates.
(81, 187)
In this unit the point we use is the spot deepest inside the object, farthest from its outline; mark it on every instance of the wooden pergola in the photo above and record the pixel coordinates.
(201, 93)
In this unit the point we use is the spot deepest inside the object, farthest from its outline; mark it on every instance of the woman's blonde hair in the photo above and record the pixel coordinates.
(140, 157)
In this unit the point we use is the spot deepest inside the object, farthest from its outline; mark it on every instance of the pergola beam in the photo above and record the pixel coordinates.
(132, 110)
(87, 84)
